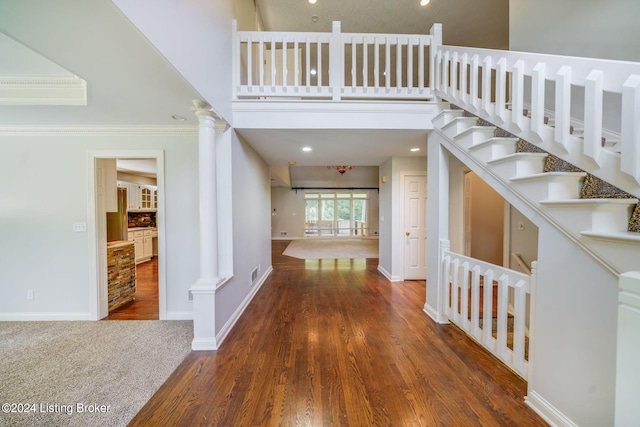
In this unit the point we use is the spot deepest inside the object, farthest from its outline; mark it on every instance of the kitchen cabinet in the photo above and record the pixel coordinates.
(140, 198)
(143, 243)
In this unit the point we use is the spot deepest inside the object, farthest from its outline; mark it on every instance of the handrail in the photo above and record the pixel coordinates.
(334, 65)
(513, 91)
(518, 259)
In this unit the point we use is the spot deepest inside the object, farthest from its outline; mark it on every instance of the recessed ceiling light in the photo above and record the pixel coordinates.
(307, 148)
(424, 2)
(415, 149)
(178, 118)
(314, 1)
(292, 163)
(313, 72)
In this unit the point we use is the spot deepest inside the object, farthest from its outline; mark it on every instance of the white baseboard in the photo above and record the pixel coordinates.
(433, 314)
(220, 337)
(203, 344)
(547, 411)
(27, 317)
(179, 315)
(388, 275)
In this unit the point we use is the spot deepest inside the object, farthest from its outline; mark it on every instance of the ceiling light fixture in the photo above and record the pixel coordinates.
(415, 149)
(313, 72)
(312, 1)
(307, 148)
(422, 2)
(341, 169)
(315, 18)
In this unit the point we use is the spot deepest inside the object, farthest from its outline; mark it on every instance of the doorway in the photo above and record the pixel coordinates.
(415, 226)
(142, 243)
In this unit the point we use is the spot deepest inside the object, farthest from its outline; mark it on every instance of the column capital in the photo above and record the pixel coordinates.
(221, 126)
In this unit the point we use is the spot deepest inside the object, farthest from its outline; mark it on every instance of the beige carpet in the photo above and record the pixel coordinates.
(60, 368)
(334, 248)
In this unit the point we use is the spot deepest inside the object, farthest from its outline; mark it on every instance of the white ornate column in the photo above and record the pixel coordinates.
(203, 291)
(628, 357)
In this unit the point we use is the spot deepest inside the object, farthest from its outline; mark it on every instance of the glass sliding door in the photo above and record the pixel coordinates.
(336, 214)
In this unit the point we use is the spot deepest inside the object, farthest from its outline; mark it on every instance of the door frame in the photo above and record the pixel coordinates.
(401, 214)
(97, 232)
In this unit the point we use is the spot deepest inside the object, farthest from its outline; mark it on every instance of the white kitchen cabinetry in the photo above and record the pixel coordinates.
(140, 198)
(143, 243)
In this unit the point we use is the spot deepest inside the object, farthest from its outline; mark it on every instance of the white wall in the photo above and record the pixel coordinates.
(195, 36)
(44, 190)
(251, 224)
(597, 29)
(289, 213)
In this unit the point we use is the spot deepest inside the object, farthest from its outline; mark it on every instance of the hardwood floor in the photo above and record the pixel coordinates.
(146, 305)
(332, 342)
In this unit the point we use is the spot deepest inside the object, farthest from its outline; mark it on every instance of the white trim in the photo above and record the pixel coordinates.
(388, 275)
(433, 314)
(43, 90)
(547, 411)
(179, 315)
(28, 317)
(98, 131)
(158, 156)
(220, 336)
(203, 344)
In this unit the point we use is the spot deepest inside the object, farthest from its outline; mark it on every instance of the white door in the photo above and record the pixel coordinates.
(415, 226)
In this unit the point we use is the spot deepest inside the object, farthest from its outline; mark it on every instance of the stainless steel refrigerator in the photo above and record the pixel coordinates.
(118, 222)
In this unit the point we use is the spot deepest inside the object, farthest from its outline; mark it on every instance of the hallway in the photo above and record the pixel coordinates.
(332, 342)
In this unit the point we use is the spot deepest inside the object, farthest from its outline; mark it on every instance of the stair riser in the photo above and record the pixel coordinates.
(460, 125)
(469, 139)
(559, 189)
(493, 151)
(518, 168)
(445, 117)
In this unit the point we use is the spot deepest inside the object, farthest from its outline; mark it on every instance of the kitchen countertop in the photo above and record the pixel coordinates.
(119, 243)
(140, 228)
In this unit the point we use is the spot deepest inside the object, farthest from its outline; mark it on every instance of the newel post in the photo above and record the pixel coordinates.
(436, 43)
(628, 354)
(336, 58)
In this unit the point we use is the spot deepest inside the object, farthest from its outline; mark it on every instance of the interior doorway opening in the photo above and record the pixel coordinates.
(129, 229)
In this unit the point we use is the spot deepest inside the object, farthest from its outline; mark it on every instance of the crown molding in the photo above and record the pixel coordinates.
(43, 90)
(98, 131)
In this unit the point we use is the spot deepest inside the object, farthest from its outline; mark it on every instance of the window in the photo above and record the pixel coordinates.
(336, 214)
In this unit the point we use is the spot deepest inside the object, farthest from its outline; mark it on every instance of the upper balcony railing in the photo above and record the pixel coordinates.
(334, 65)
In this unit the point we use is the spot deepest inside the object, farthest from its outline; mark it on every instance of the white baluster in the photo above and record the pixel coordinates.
(249, 61)
(519, 325)
(296, 68)
(486, 84)
(475, 302)
(538, 76)
(446, 285)
(501, 89)
(503, 303)
(409, 65)
(261, 58)
(473, 87)
(454, 83)
(464, 75)
(273, 64)
(454, 291)
(464, 289)
(398, 63)
(630, 132)
(517, 94)
(376, 58)
(387, 63)
(487, 309)
(365, 64)
(593, 114)
(563, 105)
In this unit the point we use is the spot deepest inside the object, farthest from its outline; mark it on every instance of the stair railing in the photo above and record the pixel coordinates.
(471, 286)
(336, 65)
(559, 92)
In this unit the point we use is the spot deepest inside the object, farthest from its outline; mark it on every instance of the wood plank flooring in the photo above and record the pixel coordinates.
(332, 342)
(145, 305)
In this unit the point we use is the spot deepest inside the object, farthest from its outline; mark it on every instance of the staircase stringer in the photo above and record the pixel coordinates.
(524, 205)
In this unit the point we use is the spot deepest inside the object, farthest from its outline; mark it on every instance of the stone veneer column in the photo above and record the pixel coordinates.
(204, 328)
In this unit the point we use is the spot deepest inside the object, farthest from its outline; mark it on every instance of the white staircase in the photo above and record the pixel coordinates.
(598, 224)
